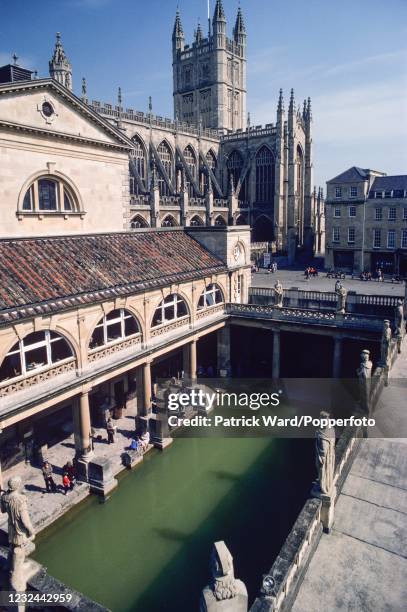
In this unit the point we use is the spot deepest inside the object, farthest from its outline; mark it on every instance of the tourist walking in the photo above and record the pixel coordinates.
(110, 431)
(70, 470)
(48, 479)
(66, 483)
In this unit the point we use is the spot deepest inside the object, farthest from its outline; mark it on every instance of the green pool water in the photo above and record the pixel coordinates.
(147, 549)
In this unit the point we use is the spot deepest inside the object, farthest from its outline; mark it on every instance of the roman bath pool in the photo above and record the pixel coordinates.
(147, 548)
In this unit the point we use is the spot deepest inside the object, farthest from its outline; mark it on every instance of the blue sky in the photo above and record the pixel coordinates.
(350, 56)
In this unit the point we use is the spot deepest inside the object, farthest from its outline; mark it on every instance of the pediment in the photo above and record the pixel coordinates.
(49, 107)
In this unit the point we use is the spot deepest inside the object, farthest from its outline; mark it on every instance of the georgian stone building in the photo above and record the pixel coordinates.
(209, 166)
(366, 218)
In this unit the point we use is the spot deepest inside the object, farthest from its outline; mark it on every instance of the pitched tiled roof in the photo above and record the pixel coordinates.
(387, 183)
(353, 174)
(40, 275)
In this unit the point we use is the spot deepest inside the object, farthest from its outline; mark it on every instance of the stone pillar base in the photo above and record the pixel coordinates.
(100, 476)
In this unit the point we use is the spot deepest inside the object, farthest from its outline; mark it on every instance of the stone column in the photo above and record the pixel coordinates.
(189, 360)
(81, 418)
(143, 384)
(224, 365)
(276, 353)
(337, 358)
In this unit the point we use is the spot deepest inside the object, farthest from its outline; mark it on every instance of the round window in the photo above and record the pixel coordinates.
(47, 109)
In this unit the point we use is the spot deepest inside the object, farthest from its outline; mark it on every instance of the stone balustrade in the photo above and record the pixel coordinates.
(20, 384)
(309, 316)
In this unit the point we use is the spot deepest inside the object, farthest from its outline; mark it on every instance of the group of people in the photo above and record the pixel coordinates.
(141, 442)
(68, 477)
(272, 267)
(310, 271)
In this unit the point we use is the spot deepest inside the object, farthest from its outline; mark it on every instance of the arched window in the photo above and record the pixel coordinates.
(210, 296)
(299, 163)
(37, 351)
(264, 176)
(235, 166)
(220, 221)
(165, 155)
(190, 160)
(241, 220)
(172, 307)
(196, 221)
(116, 325)
(47, 194)
(211, 162)
(139, 158)
(169, 221)
(138, 222)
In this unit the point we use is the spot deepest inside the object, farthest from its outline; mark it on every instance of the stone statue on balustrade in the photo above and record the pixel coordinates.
(225, 593)
(399, 324)
(364, 373)
(385, 344)
(278, 295)
(20, 533)
(324, 458)
(341, 294)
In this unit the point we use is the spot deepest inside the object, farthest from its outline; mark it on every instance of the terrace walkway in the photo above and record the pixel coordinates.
(362, 563)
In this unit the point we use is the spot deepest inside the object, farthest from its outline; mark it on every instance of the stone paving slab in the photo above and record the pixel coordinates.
(296, 278)
(349, 575)
(372, 523)
(383, 461)
(377, 493)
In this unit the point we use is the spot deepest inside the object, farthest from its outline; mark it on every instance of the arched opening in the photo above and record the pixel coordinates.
(299, 209)
(241, 220)
(235, 167)
(169, 221)
(220, 221)
(112, 327)
(196, 221)
(49, 194)
(263, 229)
(210, 296)
(166, 157)
(265, 177)
(137, 222)
(211, 162)
(37, 351)
(190, 160)
(140, 161)
(171, 308)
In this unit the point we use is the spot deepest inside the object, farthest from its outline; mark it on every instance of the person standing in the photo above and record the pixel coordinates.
(110, 431)
(48, 479)
(66, 483)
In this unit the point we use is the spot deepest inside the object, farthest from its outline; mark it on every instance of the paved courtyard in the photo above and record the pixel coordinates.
(296, 278)
(45, 507)
(362, 563)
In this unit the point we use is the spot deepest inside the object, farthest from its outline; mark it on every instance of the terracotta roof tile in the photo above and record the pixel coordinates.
(51, 274)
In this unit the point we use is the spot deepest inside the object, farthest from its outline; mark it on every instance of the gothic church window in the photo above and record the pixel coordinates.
(188, 107)
(169, 221)
(196, 221)
(137, 222)
(264, 176)
(139, 158)
(235, 166)
(190, 160)
(165, 156)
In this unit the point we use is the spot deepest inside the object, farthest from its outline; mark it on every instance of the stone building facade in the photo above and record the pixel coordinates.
(366, 222)
(206, 167)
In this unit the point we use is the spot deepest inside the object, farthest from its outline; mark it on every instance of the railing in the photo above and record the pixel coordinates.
(168, 327)
(197, 202)
(210, 311)
(34, 379)
(139, 200)
(220, 203)
(306, 316)
(169, 201)
(326, 300)
(268, 130)
(130, 114)
(260, 246)
(111, 349)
